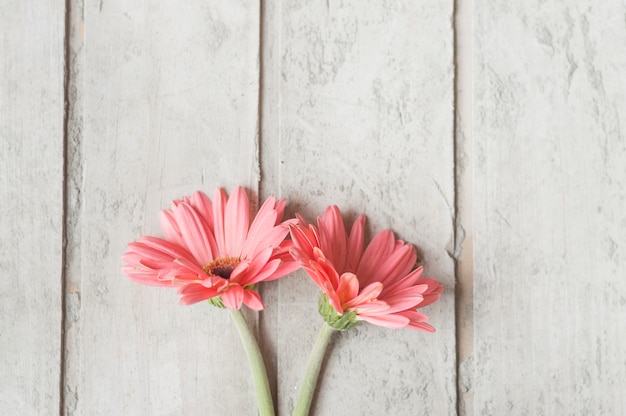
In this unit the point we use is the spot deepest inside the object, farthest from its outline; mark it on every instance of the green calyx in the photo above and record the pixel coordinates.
(217, 302)
(335, 320)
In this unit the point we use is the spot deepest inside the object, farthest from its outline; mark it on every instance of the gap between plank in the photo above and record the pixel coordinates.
(267, 147)
(72, 203)
(64, 201)
(463, 183)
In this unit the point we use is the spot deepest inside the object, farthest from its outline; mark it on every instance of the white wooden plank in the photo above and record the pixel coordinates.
(31, 212)
(364, 121)
(170, 106)
(550, 192)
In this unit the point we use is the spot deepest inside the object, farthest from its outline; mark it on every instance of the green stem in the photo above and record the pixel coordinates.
(307, 389)
(259, 373)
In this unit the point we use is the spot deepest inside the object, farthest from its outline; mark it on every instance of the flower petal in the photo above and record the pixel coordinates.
(233, 297)
(368, 294)
(252, 300)
(433, 293)
(170, 228)
(203, 205)
(264, 220)
(355, 244)
(257, 242)
(236, 222)
(409, 280)
(387, 321)
(333, 237)
(195, 233)
(397, 264)
(348, 287)
(417, 321)
(196, 292)
(378, 249)
(219, 207)
(303, 243)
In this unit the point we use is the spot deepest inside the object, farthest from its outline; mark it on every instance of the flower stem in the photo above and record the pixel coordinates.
(307, 388)
(259, 373)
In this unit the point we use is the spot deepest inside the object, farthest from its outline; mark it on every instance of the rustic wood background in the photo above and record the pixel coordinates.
(489, 133)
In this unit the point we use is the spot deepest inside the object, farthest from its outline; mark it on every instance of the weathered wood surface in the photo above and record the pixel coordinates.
(359, 101)
(170, 98)
(354, 108)
(550, 217)
(31, 207)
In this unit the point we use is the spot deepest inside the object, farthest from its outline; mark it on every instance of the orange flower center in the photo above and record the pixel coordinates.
(222, 267)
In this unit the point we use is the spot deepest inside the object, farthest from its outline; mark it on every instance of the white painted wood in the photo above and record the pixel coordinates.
(550, 223)
(357, 107)
(170, 106)
(359, 111)
(31, 211)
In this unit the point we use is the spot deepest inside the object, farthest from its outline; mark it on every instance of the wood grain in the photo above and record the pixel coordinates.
(170, 99)
(31, 208)
(359, 102)
(354, 104)
(550, 224)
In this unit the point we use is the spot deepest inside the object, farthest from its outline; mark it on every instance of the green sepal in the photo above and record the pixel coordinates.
(217, 302)
(334, 319)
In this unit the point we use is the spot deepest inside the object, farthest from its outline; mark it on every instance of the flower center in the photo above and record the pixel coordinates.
(222, 267)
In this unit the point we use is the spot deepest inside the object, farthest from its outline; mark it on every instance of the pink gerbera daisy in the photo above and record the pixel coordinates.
(211, 250)
(378, 284)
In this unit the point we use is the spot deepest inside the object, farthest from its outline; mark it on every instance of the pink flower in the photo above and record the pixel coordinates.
(377, 284)
(211, 249)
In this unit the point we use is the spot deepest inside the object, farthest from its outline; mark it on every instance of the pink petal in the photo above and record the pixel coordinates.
(378, 249)
(333, 298)
(433, 293)
(195, 292)
(318, 276)
(302, 242)
(219, 206)
(190, 266)
(348, 287)
(153, 261)
(157, 248)
(418, 321)
(264, 220)
(252, 300)
(195, 233)
(279, 206)
(236, 222)
(397, 264)
(285, 268)
(329, 271)
(233, 297)
(409, 280)
(267, 274)
(260, 260)
(414, 316)
(145, 276)
(333, 237)
(421, 326)
(403, 302)
(387, 321)
(170, 228)
(372, 308)
(258, 242)
(368, 294)
(203, 205)
(355, 244)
